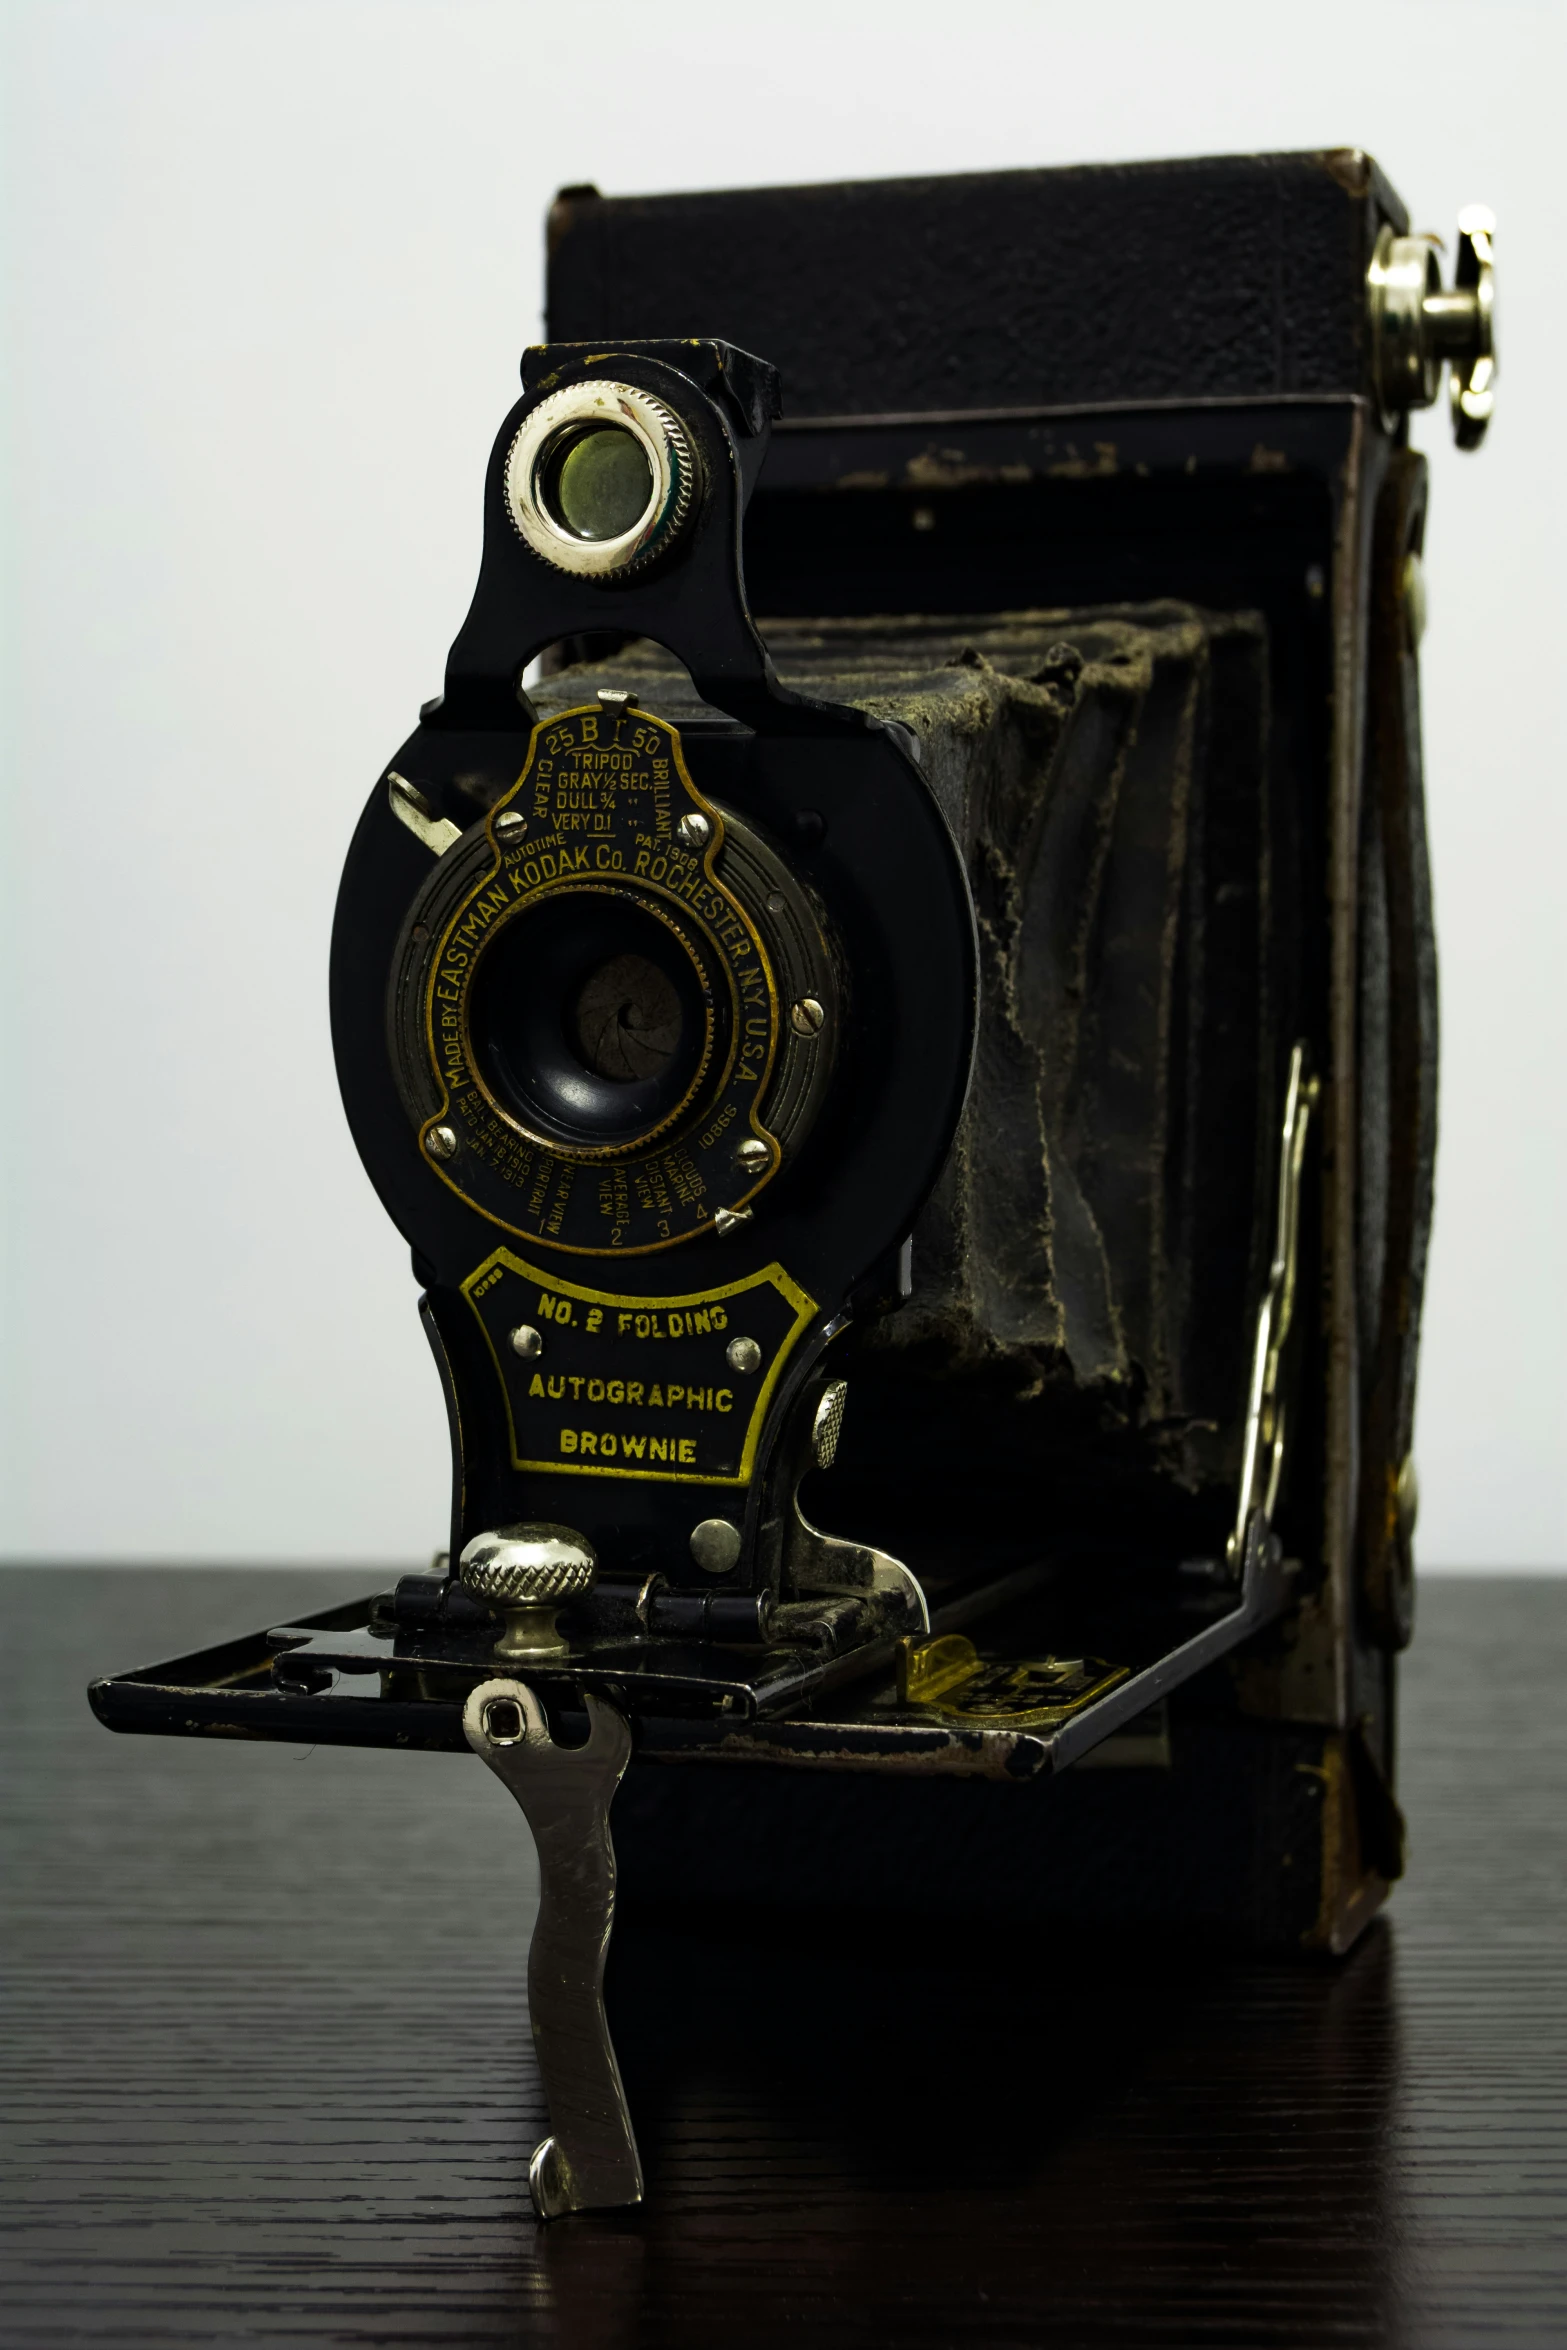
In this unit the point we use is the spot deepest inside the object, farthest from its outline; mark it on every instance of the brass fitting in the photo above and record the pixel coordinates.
(1417, 327)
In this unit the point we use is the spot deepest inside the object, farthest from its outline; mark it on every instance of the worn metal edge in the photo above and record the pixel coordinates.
(894, 419)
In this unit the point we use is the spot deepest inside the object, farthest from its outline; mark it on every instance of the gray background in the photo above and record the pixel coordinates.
(270, 269)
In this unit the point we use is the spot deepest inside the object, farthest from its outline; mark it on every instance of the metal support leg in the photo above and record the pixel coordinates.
(589, 2160)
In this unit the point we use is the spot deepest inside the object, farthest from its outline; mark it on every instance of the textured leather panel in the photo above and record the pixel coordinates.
(1236, 277)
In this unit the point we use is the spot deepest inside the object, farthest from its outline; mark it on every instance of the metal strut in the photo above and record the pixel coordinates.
(589, 2160)
(1262, 1456)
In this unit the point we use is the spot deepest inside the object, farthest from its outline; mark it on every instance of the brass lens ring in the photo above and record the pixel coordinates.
(600, 479)
(594, 1005)
(719, 1014)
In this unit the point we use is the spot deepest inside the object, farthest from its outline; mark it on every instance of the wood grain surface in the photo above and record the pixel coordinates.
(268, 2074)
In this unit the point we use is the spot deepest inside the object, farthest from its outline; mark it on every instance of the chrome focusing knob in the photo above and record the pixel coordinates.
(1417, 326)
(526, 1574)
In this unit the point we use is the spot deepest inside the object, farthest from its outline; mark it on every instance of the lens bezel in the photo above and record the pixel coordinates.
(759, 923)
(524, 1108)
(540, 446)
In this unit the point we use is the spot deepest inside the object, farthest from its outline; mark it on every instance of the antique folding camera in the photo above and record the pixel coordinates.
(892, 998)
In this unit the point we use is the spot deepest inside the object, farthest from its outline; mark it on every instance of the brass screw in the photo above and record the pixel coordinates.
(1407, 1496)
(715, 1545)
(526, 1341)
(1415, 599)
(754, 1156)
(441, 1142)
(808, 1017)
(743, 1354)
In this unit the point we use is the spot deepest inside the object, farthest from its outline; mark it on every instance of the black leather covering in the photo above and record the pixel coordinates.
(1233, 277)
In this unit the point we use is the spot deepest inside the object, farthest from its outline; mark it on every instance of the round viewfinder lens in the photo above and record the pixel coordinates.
(603, 483)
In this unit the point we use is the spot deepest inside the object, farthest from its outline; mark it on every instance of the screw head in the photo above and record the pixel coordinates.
(1407, 1496)
(1415, 598)
(526, 1341)
(754, 1156)
(743, 1354)
(509, 820)
(807, 1017)
(441, 1142)
(693, 831)
(715, 1545)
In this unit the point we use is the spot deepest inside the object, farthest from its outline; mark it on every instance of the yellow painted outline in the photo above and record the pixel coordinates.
(774, 1276)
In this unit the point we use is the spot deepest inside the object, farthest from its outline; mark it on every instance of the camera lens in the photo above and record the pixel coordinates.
(625, 1024)
(590, 1019)
(599, 483)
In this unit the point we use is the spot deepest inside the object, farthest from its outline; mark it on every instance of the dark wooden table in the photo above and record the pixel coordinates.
(269, 2077)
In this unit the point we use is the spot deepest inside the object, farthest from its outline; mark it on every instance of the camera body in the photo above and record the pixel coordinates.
(892, 997)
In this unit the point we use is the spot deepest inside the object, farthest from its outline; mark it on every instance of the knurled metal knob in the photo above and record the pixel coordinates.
(1417, 327)
(526, 1574)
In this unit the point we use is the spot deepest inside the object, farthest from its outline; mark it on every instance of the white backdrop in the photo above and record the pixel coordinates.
(271, 268)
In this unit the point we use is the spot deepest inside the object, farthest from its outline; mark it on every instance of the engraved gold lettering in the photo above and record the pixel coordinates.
(620, 778)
